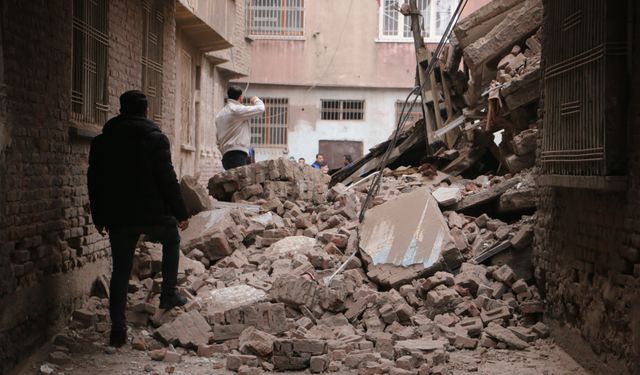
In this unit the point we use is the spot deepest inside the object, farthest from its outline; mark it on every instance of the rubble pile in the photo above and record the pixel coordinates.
(500, 46)
(279, 178)
(270, 302)
(280, 274)
(483, 118)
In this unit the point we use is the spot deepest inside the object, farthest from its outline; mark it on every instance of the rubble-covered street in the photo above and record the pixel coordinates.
(281, 275)
(486, 224)
(272, 286)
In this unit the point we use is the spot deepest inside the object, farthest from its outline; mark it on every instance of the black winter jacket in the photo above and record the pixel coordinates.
(131, 178)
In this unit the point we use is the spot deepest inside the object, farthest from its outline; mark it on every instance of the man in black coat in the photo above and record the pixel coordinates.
(133, 190)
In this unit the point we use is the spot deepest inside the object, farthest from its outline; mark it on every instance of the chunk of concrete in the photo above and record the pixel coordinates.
(407, 237)
(195, 196)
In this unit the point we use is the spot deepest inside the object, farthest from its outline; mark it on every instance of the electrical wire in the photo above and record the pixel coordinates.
(417, 91)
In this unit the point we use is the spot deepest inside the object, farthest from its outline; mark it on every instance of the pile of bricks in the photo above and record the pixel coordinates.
(268, 305)
(280, 178)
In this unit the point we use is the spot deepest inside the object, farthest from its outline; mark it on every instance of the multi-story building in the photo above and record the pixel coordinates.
(334, 73)
(63, 65)
(205, 62)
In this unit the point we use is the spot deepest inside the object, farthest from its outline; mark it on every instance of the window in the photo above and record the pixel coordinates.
(89, 99)
(275, 18)
(586, 96)
(186, 98)
(342, 110)
(415, 112)
(270, 129)
(435, 18)
(152, 46)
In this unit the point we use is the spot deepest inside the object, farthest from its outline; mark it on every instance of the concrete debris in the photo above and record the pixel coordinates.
(256, 342)
(408, 232)
(446, 196)
(259, 293)
(195, 195)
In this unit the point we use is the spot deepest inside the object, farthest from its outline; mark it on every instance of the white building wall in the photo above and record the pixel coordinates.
(306, 128)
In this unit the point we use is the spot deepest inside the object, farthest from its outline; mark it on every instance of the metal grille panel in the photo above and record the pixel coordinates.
(270, 129)
(342, 110)
(186, 98)
(435, 18)
(413, 114)
(152, 48)
(585, 57)
(275, 18)
(89, 100)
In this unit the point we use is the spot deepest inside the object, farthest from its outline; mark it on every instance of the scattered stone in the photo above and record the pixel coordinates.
(235, 361)
(59, 358)
(506, 336)
(256, 342)
(172, 357)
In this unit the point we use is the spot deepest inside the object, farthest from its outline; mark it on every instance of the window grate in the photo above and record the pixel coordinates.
(152, 51)
(342, 109)
(89, 96)
(275, 18)
(435, 18)
(186, 98)
(585, 68)
(414, 113)
(270, 129)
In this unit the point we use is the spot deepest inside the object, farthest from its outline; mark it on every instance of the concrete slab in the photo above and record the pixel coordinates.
(406, 231)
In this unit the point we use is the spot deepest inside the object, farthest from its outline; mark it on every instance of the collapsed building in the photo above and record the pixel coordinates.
(464, 247)
(274, 284)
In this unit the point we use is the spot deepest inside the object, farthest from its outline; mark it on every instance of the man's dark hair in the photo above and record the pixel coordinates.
(234, 92)
(318, 155)
(133, 102)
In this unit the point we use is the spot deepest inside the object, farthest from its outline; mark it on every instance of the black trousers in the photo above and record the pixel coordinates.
(234, 159)
(123, 245)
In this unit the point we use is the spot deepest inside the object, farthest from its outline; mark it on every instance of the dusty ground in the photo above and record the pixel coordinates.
(545, 358)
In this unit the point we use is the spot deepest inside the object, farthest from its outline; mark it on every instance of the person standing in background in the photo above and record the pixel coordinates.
(234, 130)
(319, 161)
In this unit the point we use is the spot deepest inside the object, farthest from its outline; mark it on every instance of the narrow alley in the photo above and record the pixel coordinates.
(419, 187)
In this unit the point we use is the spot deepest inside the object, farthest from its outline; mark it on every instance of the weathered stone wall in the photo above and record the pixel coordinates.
(46, 231)
(587, 256)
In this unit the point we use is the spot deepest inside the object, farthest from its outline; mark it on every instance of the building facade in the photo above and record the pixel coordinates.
(333, 73)
(63, 65)
(587, 235)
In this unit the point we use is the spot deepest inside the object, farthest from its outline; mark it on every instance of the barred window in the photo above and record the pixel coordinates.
(342, 110)
(89, 98)
(278, 18)
(584, 131)
(152, 47)
(414, 112)
(396, 27)
(270, 129)
(186, 98)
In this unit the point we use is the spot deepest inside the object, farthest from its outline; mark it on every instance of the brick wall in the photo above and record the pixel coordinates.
(209, 160)
(587, 257)
(48, 245)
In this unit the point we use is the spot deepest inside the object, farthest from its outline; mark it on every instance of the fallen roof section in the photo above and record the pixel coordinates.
(408, 233)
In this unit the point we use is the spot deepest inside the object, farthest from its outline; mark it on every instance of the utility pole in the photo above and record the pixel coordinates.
(422, 60)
